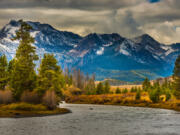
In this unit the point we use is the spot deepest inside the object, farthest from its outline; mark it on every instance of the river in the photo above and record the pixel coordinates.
(97, 120)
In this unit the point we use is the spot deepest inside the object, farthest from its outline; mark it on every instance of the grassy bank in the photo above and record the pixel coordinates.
(18, 110)
(123, 100)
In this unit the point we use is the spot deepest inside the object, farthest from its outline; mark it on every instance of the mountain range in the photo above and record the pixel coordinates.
(106, 55)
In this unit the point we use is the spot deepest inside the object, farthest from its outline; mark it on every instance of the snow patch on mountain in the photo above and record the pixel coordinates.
(83, 53)
(165, 47)
(109, 44)
(169, 51)
(123, 49)
(124, 52)
(100, 51)
(5, 47)
(11, 29)
(34, 33)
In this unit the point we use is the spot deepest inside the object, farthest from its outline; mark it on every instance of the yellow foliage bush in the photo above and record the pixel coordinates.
(25, 107)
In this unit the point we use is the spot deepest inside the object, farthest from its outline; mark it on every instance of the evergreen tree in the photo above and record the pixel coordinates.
(23, 76)
(155, 95)
(100, 88)
(106, 87)
(157, 86)
(125, 91)
(118, 91)
(146, 84)
(176, 77)
(155, 92)
(10, 67)
(92, 84)
(132, 89)
(138, 95)
(3, 72)
(50, 76)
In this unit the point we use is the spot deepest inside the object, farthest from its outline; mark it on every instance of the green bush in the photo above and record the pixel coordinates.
(134, 89)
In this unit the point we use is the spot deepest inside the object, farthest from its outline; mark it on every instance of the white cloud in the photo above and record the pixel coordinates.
(165, 32)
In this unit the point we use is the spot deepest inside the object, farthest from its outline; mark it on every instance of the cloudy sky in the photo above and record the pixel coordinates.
(129, 18)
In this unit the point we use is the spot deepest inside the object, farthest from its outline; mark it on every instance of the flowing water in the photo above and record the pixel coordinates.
(97, 120)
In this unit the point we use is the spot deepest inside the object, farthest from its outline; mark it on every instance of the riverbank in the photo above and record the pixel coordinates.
(19, 110)
(122, 100)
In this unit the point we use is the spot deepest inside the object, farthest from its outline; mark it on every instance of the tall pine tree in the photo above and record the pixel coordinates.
(23, 76)
(146, 84)
(50, 76)
(106, 87)
(100, 88)
(176, 77)
(3, 72)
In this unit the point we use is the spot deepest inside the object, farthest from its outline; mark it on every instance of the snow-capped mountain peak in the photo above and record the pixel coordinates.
(97, 53)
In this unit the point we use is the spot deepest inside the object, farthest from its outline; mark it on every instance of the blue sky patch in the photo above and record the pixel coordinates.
(153, 1)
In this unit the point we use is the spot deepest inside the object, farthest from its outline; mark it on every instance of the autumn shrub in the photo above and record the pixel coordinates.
(30, 97)
(50, 99)
(6, 97)
(117, 100)
(72, 91)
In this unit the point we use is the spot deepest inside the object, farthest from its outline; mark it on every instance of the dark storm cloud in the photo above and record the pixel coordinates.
(129, 18)
(77, 4)
(115, 22)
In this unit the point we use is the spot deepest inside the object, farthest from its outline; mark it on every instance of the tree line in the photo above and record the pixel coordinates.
(47, 82)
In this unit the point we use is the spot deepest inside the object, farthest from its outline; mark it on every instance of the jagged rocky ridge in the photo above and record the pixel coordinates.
(106, 55)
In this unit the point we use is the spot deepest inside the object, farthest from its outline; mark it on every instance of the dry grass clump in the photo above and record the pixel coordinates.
(72, 91)
(50, 99)
(122, 99)
(6, 97)
(30, 97)
(25, 107)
